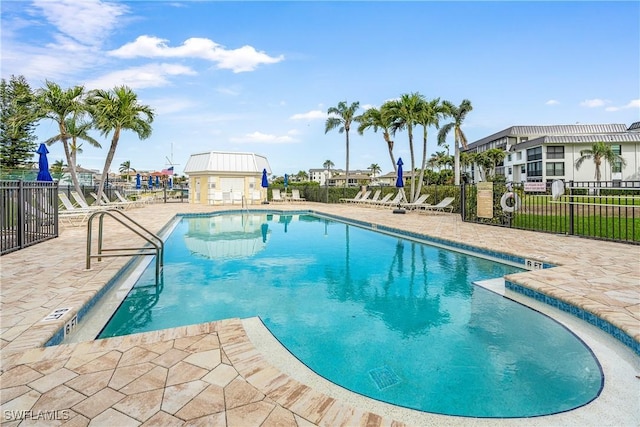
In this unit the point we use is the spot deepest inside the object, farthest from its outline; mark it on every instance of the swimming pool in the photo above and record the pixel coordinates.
(390, 318)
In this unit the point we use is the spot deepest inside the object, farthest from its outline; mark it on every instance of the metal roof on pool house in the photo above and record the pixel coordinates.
(227, 163)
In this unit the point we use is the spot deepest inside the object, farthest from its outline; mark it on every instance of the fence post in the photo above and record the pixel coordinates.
(463, 201)
(21, 215)
(571, 205)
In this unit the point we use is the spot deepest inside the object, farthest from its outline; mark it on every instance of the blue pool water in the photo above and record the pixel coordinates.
(389, 318)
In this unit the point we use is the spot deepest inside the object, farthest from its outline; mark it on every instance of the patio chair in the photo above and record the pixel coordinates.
(393, 203)
(446, 203)
(123, 199)
(275, 195)
(417, 203)
(346, 199)
(362, 197)
(295, 196)
(106, 202)
(256, 197)
(69, 206)
(236, 197)
(376, 197)
(382, 201)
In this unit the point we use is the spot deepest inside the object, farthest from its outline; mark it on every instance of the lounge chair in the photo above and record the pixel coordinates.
(446, 203)
(295, 196)
(377, 202)
(123, 199)
(393, 203)
(375, 197)
(69, 206)
(362, 197)
(256, 197)
(417, 203)
(356, 197)
(74, 215)
(275, 195)
(106, 202)
(236, 197)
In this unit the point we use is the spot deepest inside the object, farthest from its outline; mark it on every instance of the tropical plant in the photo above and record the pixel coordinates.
(57, 169)
(600, 151)
(376, 119)
(125, 168)
(60, 105)
(18, 117)
(302, 175)
(115, 111)
(458, 114)
(430, 114)
(341, 117)
(328, 164)
(77, 129)
(487, 161)
(375, 169)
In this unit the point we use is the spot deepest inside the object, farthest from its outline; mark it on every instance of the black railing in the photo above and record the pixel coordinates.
(28, 214)
(597, 210)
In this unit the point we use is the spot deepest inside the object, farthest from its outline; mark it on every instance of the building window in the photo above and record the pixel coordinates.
(509, 158)
(534, 169)
(555, 169)
(534, 154)
(519, 155)
(510, 170)
(523, 169)
(616, 167)
(555, 152)
(617, 149)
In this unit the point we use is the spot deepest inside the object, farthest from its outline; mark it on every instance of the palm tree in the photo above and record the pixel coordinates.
(379, 119)
(76, 129)
(458, 114)
(374, 168)
(60, 105)
(328, 164)
(57, 169)
(404, 114)
(115, 111)
(341, 117)
(125, 168)
(600, 151)
(430, 114)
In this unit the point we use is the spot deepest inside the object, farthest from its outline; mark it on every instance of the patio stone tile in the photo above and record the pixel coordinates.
(239, 392)
(76, 421)
(183, 372)
(221, 375)
(207, 342)
(123, 376)
(182, 343)
(52, 380)
(205, 359)
(141, 406)
(23, 402)
(312, 405)
(136, 355)
(102, 363)
(209, 401)
(19, 375)
(252, 414)
(278, 417)
(59, 398)
(89, 384)
(154, 379)
(10, 393)
(217, 419)
(170, 357)
(113, 418)
(176, 396)
(99, 402)
(162, 419)
(158, 347)
(48, 366)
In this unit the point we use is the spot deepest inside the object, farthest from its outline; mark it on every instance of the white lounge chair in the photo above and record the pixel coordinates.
(134, 203)
(295, 196)
(446, 203)
(275, 195)
(393, 203)
(356, 197)
(363, 197)
(378, 202)
(106, 202)
(417, 203)
(375, 197)
(69, 206)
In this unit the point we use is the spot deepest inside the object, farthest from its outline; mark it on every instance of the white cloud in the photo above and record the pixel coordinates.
(245, 58)
(151, 75)
(593, 103)
(552, 102)
(87, 22)
(311, 115)
(263, 138)
(634, 103)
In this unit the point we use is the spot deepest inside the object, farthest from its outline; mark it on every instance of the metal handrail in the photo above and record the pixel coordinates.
(149, 237)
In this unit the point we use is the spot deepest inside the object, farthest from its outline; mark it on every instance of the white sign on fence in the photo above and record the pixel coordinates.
(533, 187)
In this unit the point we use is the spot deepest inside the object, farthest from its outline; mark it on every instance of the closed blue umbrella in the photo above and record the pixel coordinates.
(43, 164)
(170, 182)
(265, 184)
(150, 182)
(400, 185)
(157, 181)
(286, 181)
(138, 182)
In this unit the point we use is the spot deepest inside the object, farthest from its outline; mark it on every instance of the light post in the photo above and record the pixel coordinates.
(326, 185)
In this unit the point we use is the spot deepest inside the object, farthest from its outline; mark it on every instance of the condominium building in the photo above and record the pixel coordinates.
(547, 153)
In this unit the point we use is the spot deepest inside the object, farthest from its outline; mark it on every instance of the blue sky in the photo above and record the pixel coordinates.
(259, 76)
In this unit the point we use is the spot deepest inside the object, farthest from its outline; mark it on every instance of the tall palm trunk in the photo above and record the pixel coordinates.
(346, 183)
(424, 164)
(107, 162)
(70, 161)
(387, 138)
(413, 161)
(456, 163)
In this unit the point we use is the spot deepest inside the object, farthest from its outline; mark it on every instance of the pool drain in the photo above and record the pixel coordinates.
(384, 377)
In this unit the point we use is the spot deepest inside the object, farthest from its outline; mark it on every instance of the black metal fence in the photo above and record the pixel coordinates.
(28, 214)
(597, 210)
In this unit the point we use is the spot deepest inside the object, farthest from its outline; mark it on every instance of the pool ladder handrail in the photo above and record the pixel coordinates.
(156, 242)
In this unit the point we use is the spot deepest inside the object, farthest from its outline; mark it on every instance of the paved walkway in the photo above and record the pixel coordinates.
(212, 374)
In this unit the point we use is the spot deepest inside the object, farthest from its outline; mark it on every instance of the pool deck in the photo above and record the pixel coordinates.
(217, 374)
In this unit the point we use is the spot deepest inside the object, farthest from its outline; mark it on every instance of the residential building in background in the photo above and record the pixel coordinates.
(547, 153)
